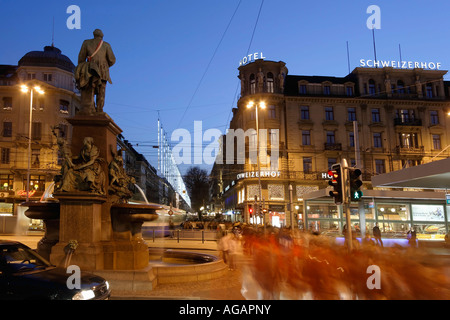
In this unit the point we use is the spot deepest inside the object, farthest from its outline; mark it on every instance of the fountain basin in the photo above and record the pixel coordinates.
(172, 266)
(44, 210)
(49, 212)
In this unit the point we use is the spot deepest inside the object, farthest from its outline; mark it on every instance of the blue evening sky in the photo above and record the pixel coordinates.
(169, 58)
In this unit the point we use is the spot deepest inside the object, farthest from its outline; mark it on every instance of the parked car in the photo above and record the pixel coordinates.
(24, 274)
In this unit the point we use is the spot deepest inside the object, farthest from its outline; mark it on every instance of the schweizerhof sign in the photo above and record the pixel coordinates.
(400, 64)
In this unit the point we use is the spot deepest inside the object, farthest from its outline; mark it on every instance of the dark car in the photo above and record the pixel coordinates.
(24, 275)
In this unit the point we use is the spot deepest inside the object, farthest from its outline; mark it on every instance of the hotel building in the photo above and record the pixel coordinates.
(402, 121)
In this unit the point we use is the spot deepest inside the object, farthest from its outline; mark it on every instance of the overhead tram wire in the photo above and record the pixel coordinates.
(248, 50)
(209, 63)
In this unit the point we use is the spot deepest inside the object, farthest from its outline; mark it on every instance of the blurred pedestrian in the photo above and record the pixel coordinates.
(377, 234)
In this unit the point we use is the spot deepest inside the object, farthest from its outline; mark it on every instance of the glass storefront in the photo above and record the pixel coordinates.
(396, 218)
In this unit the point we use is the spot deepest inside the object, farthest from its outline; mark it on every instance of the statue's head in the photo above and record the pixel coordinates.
(98, 33)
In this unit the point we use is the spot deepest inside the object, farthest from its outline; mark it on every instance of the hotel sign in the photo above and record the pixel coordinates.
(400, 64)
(256, 174)
(251, 58)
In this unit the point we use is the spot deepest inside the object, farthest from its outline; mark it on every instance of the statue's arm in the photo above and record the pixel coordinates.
(83, 53)
(110, 56)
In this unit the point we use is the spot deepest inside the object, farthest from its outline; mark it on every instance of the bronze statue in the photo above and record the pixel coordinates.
(84, 172)
(92, 73)
(119, 181)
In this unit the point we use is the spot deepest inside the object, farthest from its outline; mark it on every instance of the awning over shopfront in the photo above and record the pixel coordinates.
(432, 175)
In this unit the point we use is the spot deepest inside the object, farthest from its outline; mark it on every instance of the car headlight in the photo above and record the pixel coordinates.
(84, 295)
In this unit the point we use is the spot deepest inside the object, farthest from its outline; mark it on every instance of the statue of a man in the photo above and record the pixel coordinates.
(92, 73)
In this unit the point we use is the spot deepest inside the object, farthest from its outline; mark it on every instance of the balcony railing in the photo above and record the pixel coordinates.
(410, 150)
(407, 122)
(333, 146)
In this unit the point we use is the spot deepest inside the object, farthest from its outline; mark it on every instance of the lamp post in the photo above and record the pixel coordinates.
(25, 89)
(257, 106)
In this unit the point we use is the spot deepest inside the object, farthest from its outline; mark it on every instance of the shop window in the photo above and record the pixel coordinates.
(37, 182)
(6, 182)
(276, 191)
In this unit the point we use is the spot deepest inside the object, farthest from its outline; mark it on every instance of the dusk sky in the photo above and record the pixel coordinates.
(181, 57)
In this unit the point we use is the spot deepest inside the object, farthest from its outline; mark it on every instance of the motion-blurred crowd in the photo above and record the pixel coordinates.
(287, 264)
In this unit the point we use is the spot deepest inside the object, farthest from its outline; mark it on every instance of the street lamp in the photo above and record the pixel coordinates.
(257, 106)
(25, 89)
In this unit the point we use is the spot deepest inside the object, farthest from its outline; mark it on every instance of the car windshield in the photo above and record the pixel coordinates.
(15, 258)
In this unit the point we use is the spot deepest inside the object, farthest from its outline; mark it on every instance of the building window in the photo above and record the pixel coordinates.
(31, 76)
(434, 117)
(330, 137)
(372, 89)
(276, 191)
(306, 137)
(429, 90)
(329, 115)
(409, 140)
(351, 114)
(380, 166)
(436, 142)
(331, 161)
(377, 143)
(48, 77)
(64, 106)
(35, 158)
(7, 103)
(376, 115)
(36, 131)
(7, 129)
(270, 82)
(326, 90)
(5, 155)
(302, 89)
(307, 164)
(272, 112)
(304, 113)
(400, 87)
(349, 91)
(351, 139)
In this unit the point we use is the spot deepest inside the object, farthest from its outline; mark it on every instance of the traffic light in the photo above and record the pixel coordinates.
(355, 183)
(336, 182)
(250, 210)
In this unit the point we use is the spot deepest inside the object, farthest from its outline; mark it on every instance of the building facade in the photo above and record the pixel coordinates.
(401, 117)
(53, 73)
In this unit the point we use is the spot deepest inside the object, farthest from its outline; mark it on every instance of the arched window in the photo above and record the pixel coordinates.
(252, 84)
(270, 82)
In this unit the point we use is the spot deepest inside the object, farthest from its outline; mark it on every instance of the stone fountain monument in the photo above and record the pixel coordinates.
(91, 193)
